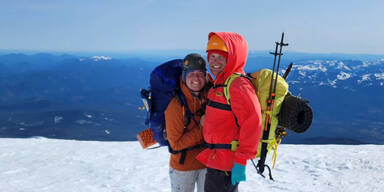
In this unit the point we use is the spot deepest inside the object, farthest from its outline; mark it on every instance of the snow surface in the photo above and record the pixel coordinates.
(42, 165)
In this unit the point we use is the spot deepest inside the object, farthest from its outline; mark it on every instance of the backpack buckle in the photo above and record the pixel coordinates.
(234, 145)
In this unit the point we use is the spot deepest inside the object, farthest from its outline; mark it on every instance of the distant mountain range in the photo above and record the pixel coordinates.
(97, 97)
(87, 98)
(346, 96)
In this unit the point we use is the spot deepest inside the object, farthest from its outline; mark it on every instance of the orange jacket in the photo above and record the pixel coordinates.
(178, 140)
(220, 125)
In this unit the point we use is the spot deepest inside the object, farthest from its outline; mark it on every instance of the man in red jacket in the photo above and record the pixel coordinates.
(229, 126)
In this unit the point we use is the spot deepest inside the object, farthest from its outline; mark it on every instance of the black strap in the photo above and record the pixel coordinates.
(219, 85)
(188, 114)
(218, 146)
(219, 105)
(237, 122)
(225, 107)
(200, 112)
(184, 151)
(183, 102)
(187, 120)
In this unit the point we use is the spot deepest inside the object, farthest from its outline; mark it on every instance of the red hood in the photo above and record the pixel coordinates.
(237, 53)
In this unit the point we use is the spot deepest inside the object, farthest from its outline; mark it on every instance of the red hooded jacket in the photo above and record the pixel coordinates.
(220, 125)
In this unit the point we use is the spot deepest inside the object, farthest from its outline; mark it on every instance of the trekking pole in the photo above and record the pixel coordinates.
(288, 71)
(278, 65)
(260, 163)
(270, 103)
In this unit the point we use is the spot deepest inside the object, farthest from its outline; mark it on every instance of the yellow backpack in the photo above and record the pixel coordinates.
(285, 111)
(261, 81)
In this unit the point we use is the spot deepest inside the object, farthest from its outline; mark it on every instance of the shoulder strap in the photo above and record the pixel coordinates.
(188, 115)
(228, 84)
(187, 112)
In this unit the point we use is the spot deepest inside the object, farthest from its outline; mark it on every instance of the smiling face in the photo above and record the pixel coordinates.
(217, 63)
(195, 80)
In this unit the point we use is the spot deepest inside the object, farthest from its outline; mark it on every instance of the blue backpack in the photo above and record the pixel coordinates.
(164, 86)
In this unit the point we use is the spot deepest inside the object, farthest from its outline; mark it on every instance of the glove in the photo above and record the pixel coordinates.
(238, 173)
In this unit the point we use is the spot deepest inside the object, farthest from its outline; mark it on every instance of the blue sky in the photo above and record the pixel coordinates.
(326, 26)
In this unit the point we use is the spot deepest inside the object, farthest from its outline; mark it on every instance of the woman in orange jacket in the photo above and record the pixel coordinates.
(185, 171)
(224, 124)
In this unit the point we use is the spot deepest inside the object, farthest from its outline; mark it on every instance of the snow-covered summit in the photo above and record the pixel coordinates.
(99, 58)
(96, 58)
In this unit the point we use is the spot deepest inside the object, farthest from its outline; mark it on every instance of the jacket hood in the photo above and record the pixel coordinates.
(237, 53)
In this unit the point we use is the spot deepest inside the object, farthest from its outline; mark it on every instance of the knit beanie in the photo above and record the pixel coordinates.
(193, 62)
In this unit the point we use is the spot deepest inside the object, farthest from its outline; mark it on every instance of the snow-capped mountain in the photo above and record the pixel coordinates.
(346, 97)
(96, 58)
(345, 74)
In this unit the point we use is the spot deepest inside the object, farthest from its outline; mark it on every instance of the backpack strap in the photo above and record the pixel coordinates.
(184, 151)
(146, 97)
(222, 106)
(187, 112)
(188, 116)
(226, 107)
(219, 85)
(233, 146)
(228, 83)
(218, 105)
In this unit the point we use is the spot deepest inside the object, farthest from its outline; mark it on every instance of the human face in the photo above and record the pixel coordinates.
(195, 80)
(216, 63)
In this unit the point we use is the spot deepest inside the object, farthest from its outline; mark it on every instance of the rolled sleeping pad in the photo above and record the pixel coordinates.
(295, 114)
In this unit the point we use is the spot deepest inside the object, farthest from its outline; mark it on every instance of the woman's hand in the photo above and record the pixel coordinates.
(202, 120)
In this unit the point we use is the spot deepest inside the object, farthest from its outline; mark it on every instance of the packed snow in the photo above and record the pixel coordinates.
(46, 165)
